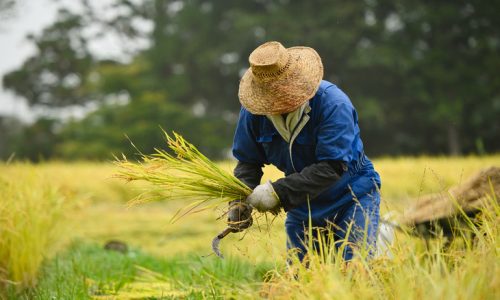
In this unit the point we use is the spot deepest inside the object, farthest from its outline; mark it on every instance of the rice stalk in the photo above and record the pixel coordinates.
(418, 269)
(32, 218)
(186, 174)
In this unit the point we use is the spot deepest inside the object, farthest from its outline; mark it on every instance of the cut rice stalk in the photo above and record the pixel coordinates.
(187, 174)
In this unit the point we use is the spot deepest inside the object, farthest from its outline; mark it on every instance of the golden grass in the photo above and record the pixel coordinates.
(32, 212)
(103, 215)
(466, 269)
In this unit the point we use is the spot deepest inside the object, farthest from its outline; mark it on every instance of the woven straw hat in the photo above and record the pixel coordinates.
(280, 79)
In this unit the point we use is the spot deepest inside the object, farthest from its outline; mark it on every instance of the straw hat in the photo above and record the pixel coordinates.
(280, 79)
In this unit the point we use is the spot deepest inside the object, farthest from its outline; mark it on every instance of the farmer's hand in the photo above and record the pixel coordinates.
(264, 198)
(239, 216)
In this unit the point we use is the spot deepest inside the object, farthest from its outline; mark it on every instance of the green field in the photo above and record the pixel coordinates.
(55, 218)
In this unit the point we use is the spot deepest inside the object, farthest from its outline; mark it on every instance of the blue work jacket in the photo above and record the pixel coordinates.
(332, 133)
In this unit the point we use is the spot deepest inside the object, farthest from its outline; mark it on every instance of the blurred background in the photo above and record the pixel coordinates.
(80, 76)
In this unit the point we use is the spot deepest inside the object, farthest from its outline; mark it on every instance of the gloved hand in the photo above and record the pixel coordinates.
(264, 198)
(239, 216)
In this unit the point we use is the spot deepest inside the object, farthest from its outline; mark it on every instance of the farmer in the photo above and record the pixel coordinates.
(308, 128)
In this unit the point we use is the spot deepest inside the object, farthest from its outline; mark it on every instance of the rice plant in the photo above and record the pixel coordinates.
(462, 270)
(434, 269)
(186, 174)
(31, 218)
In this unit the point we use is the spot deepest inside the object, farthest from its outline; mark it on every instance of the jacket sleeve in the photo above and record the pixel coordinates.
(250, 174)
(294, 189)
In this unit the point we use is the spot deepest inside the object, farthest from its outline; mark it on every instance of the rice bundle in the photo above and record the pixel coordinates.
(187, 174)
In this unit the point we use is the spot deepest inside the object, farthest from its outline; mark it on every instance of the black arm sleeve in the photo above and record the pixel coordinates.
(312, 180)
(250, 174)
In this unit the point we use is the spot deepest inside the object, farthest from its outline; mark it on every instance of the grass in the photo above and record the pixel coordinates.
(85, 270)
(31, 218)
(176, 253)
(466, 269)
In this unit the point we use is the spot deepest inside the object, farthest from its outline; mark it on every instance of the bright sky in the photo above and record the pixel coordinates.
(31, 16)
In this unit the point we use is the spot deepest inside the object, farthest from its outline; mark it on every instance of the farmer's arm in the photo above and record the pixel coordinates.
(294, 189)
(249, 173)
(333, 151)
(251, 158)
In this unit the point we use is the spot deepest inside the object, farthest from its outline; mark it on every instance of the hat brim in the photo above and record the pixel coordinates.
(287, 92)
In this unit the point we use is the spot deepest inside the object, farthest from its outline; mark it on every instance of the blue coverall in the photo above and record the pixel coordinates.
(332, 133)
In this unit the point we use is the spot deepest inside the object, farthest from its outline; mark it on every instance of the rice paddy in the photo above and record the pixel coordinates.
(56, 217)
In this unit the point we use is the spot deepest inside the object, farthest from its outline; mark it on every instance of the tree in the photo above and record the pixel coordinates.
(7, 8)
(58, 74)
(449, 53)
(421, 74)
(107, 131)
(10, 130)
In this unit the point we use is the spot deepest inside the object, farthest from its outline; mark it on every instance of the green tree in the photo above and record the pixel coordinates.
(10, 130)
(107, 131)
(36, 141)
(449, 65)
(58, 74)
(422, 74)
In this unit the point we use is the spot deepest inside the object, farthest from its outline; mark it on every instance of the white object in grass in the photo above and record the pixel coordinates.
(385, 237)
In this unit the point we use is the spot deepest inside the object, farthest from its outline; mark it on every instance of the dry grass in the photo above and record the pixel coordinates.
(466, 269)
(32, 212)
(417, 272)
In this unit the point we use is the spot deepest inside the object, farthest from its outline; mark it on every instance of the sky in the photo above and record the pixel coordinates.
(30, 17)
(27, 17)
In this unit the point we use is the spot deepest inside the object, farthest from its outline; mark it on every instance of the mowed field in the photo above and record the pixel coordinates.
(56, 217)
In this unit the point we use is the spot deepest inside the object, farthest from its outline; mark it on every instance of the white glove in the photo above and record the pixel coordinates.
(264, 198)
